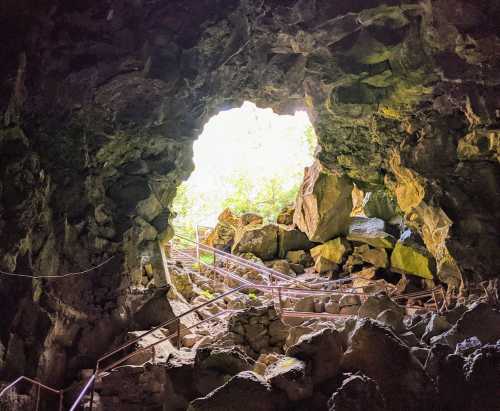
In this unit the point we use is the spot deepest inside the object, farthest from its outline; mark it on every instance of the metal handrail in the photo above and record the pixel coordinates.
(244, 262)
(39, 385)
(246, 284)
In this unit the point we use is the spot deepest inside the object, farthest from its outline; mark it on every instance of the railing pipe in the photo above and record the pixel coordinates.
(129, 343)
(247, 263)
(83, 392)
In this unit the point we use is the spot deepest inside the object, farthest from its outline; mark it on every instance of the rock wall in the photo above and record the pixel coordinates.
(101, 101)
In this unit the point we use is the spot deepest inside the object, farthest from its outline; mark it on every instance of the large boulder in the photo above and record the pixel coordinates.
(324, 203)
(260, 240)
(483, 378)
(291, 239)
(375, 256)
(289, 375)
(214, 366)
(370, 231)
(285, 216)
(375, 304)
(321, 351)
(246, 390)
(332, 252)
(409, 258)
(481, 321)
(250, 218)
(222, 236)
(154, 311)
(299, 257)
(357, 393)
(376, 352)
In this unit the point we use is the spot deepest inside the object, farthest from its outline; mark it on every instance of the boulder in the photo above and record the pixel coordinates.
(332, 307)
(380, 204)
(246, 390)
(392, 319)
(480, 321)
(181, 282)
(375, 304)
(250, 218)
(260, 240)
(323, 265)
(282, 266)
(289, 375)
(154, 311)
(348, 300)
(305, 304)
(468, 346)
(409, 258)
(447, 370)
(483, 378)
(324, 203)
(375, 351)
(420, 354)
(296, 332)
(321, 351)
(300, 257)
(297, 268)
(410, 339)
(326, 256)
(214, 366)
(437, 325)
(357, 393)
(222, 236)
(370, 231)
(291, 239)
(375, 256)
(285, 216)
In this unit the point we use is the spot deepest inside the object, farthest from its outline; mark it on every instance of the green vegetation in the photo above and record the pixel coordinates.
(207, 294)
(252, 296)
(247, 160)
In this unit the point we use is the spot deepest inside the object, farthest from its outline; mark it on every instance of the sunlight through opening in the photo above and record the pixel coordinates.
(248, 159)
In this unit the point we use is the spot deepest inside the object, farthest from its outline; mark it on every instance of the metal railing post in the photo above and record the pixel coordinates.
(179, 334)
(198, 249)
(61, 400)
(37, 401)
(435, 302)
(280, 301)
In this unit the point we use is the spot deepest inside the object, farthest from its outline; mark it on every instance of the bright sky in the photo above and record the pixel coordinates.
(250, 141)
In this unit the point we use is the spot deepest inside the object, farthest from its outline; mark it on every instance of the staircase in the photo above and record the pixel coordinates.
(187, 252)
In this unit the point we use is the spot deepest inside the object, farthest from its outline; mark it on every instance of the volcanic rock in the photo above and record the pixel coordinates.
(323, 204)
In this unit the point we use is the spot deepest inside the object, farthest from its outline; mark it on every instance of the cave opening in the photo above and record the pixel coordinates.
(247, 159)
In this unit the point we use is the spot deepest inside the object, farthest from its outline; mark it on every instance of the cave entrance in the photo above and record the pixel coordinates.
(247, 159)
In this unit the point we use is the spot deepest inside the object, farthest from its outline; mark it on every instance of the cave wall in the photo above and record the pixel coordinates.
(101, 102)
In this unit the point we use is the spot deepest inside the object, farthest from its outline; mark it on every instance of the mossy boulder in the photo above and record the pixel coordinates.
(291, 239)
(413, 259)
(285, 216)
(260, 240)
(324, 203)
(375, 256)
(250, 218)
(222, 236)
(370, 231)
(327, 256)
(299, 257)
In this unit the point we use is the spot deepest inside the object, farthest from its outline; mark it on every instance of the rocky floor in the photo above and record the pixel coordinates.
(448, 361)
